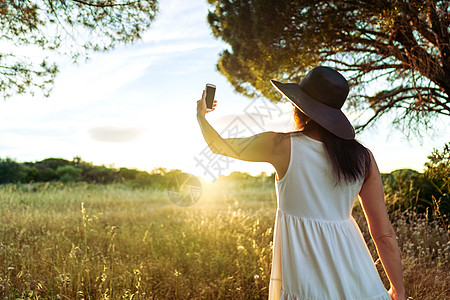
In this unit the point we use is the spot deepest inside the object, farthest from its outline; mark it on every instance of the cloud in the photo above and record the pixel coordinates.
(114, 134)
(179, 20)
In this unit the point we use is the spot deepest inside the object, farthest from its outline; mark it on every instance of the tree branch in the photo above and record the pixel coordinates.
(104, 4)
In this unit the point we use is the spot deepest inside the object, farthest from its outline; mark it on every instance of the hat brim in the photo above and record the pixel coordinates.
(330, 118)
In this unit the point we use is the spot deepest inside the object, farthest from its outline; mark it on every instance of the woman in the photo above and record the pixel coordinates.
(319, 252)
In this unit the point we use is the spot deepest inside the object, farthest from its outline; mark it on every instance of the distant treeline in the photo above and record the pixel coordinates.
(62, 170)
(77, 170)
(427, 192)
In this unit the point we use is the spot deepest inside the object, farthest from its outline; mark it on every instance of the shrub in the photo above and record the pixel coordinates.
(100, 175)
(11, 171)
(426, 193)
(438, 176)
(68, 173)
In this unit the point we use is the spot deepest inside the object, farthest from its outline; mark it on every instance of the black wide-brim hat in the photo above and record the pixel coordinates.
(320, 96)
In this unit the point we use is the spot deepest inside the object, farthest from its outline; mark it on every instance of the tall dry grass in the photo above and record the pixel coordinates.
(112, 242)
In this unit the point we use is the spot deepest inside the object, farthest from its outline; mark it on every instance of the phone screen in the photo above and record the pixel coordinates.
(210, 92)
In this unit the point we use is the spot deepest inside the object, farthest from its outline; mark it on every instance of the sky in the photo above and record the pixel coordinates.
(135, 107)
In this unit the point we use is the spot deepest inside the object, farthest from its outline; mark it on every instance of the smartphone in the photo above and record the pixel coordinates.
(210, 92)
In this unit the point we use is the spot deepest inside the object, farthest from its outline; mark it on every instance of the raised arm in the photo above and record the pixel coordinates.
(263, 147)
(381, 230)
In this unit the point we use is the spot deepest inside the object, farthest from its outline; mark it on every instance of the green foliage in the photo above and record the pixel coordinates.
(52, 163)
(425, 193)
(74, 28)
(128, 174)
(403, 43)
(68, 173)
(46, 175)
(100, 174)
(398, 177)
(31, 173)
(437, 175)
(11, 171)
(438, 169)
(158, 178)
(58, 169)
(143, 179)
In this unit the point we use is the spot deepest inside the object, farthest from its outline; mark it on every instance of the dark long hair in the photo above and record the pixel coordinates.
(349, 159)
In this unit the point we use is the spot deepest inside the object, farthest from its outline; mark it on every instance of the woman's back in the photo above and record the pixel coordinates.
(319, 252)
(309, 188)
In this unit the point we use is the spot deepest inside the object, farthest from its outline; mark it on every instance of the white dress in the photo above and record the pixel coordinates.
(318, 250)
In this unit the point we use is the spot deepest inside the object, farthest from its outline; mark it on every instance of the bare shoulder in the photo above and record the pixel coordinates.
(371, 193)
(281, 141)
(281, 149)
(275, 137)
(373, 175)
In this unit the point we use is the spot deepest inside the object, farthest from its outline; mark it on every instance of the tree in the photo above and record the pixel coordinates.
(70, 27)
(396, 54)
(52, 163)
(11, 171)
(68, 173)
(437, 175)
(427, 192)
(128, 174)
(100, 174)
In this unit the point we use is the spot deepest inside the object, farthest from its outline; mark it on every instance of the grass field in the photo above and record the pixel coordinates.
(112, 242)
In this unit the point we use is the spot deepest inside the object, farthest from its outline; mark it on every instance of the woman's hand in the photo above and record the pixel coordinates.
(201, 106)
(396, 296)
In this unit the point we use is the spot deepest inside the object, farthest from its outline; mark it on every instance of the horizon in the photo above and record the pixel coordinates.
(113, 167)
